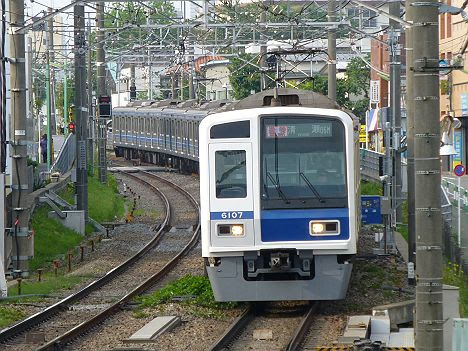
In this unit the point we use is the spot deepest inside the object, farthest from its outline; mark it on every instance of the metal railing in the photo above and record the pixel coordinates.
(66, 157)
(450, 195)
(370, 164)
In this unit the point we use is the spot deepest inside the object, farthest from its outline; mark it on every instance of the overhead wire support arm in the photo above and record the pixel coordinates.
(381, 12)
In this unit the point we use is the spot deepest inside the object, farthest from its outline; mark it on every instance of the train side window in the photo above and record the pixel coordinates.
(230, 130)
(231, 174)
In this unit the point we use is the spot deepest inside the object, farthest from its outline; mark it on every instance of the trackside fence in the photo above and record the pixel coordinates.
(64, 161)
(450, 195)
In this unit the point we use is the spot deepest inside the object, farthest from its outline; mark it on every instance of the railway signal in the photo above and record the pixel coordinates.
(71, 127)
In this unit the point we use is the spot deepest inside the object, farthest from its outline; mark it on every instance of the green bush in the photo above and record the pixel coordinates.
(454, 275)
(196, 289)
(371, 188)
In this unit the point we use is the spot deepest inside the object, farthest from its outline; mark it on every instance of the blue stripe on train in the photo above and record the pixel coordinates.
(293, 225)
(230, 215)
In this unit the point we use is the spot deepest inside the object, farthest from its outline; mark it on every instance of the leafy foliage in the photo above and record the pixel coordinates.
(244, 77)
(454, 275)
(371, 188)
(196, 288)
(356, 83)
(132, 14)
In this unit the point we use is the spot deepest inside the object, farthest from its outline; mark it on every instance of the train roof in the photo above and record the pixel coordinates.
(285, 97)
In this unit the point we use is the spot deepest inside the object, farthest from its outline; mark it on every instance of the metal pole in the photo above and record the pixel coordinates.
(19, 178)
(331, 51)
(263, 54)
(49, 119)
(132, 78)
(173, 87)
(91, 129)
(65, 98)
(459, 213)
(30, 90)
(410, 133)
(80, 110)
(191, 92)
(429, 263)
(50, 50)
(395, 98)
(101, 91)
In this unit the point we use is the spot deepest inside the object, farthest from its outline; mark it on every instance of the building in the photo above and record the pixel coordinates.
(453, 41)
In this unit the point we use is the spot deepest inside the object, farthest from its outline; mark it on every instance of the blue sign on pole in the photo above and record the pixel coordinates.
(370, 209)
(458, 145)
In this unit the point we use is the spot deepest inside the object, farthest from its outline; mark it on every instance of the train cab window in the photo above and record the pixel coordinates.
(230, 130)
(231, 175)
(303, 162)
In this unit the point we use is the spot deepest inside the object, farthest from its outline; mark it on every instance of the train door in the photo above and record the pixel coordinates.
(231, 198)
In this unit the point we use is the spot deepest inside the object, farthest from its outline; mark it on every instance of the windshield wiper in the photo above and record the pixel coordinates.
(278, 188)
(311, 187)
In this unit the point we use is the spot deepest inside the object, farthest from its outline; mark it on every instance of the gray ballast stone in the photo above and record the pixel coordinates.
(154, 328)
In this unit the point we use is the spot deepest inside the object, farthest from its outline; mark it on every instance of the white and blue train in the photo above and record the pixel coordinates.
(279, 190)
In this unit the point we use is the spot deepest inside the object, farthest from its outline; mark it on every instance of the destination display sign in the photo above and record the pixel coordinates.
(300, 130)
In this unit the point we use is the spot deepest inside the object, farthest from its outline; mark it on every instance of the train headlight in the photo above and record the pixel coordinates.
(237, 229)
(324, 227)
(231, 230)
(317, 228)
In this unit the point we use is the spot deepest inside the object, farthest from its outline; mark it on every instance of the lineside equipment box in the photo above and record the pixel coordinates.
(371, 212)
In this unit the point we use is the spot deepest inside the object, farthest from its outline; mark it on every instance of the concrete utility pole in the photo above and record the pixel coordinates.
(395, 104)
(90, 104)
(51, 53)
(80, 110)
(22, 243)
(331, 51)
(429, 319)
(410, 132)
(101, 91)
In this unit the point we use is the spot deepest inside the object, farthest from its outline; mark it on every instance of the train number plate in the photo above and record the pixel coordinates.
(232, 215)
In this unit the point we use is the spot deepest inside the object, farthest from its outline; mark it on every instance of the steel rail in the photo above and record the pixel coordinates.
(63, 304)
(302, 330)
(240, 323)
(234, 329)
(61, 341)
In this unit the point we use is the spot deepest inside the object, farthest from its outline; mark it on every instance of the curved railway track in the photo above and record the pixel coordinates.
(239, 325)
(64, 305)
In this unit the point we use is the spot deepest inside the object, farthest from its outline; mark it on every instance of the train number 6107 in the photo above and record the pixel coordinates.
(232, 215)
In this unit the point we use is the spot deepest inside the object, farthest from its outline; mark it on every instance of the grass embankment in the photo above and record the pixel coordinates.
(104, 202)
(52, 240)
(8, 315)
(371, 188)
(197, 297)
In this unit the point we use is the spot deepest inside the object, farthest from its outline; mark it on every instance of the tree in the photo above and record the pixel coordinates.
(356, 82)
(244, 77)
(132, 13)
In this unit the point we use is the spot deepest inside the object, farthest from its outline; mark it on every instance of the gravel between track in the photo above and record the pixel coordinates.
(126, 240)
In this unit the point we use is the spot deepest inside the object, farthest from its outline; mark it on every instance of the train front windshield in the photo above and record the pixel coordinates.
(303, 163)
